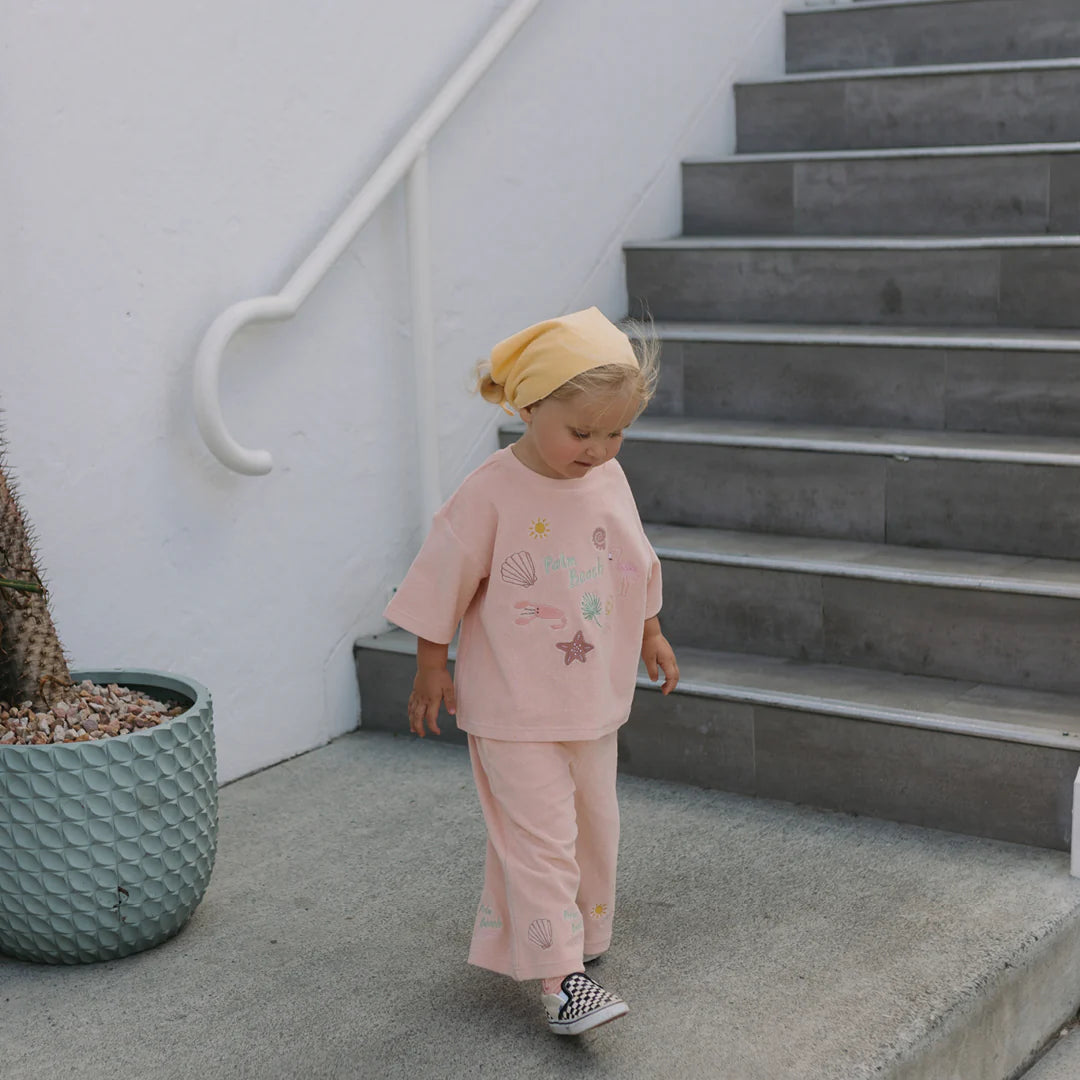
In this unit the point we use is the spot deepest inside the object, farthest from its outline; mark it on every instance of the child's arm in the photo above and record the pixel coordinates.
(431, 687)
(658, 655)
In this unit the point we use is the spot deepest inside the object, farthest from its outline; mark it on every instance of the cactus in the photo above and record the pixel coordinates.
(32, 662)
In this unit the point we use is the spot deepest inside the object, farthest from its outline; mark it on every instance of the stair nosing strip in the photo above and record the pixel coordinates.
(706, 242)
(870, 572)
(657, 430)
(899, 152)
(986, 729)
(883, 449)
(866, 5)
(990, 68)
(862, 337)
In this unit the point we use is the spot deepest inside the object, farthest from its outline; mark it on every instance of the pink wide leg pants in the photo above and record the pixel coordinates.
(553, 837)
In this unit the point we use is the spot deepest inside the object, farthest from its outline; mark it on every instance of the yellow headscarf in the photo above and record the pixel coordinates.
(539, 359)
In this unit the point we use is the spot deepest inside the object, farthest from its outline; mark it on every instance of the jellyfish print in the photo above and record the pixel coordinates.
(519, 569)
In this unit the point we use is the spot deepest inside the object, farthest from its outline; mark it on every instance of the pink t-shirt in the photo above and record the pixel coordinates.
(552, 581)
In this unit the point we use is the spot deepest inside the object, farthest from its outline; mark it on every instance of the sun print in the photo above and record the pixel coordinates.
(540, 529)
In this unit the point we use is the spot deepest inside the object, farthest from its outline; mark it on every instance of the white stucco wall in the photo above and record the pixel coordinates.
(160, 160)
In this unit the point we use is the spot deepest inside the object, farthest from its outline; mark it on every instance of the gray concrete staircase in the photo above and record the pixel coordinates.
(861, 470)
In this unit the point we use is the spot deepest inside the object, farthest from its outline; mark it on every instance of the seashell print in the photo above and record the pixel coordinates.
(599, 539)
(540, 933)
(518, 569)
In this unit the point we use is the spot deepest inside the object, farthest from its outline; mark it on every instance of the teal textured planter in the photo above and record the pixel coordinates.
(106, 847)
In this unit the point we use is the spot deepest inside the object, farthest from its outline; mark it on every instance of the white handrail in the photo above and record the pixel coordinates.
(409, 154)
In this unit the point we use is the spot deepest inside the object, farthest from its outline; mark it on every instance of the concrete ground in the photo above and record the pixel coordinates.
(754, 941)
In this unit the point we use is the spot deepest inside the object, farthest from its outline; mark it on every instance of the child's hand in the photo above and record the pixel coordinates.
(659, 656)
(431, 687)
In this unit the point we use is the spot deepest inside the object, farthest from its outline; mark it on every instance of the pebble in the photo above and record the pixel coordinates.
(92, 712)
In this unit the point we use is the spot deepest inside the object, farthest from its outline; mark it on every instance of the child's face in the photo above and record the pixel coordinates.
(565, 439)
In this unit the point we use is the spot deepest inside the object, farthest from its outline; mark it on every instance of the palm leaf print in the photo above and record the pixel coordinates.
(591, 608)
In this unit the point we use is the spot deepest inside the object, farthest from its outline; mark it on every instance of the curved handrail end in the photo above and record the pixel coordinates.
(207, 382)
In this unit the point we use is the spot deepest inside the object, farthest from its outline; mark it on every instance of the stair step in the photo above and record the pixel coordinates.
(964, 708)
(871, 35)
(980, 571)
(989, 380)
(1012, 494)
(877, 442)
(922, 751)
(990, 191)
(1016, 281)
(946, 105)
(1061, 1062)
(971, 758)
(957, 615)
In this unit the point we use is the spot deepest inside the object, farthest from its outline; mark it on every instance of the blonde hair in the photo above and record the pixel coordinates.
(605, 381)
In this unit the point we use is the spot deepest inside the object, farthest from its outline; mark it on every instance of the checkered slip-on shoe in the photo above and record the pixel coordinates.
(581, 1005)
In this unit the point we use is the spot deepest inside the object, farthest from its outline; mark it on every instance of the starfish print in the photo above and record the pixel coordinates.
(576, 649)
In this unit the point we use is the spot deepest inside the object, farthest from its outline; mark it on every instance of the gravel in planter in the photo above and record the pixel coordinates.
(95, 712)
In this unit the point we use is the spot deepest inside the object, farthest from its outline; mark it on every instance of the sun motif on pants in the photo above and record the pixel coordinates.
(598, 911)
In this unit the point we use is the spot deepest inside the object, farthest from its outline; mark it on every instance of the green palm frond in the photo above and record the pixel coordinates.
(591, 607)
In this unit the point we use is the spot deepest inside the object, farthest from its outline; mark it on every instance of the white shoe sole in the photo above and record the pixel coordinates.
(593, 1020)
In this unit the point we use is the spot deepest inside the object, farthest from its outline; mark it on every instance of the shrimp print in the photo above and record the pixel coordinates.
(549, 614)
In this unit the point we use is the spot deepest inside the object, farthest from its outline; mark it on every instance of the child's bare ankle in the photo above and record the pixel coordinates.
(551, 986)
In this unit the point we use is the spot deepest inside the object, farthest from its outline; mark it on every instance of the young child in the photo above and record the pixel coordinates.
(541, 556)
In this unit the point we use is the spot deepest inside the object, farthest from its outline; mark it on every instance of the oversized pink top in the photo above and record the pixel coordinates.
(552, 581)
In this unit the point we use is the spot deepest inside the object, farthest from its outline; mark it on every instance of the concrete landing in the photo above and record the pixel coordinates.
(754, 941)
